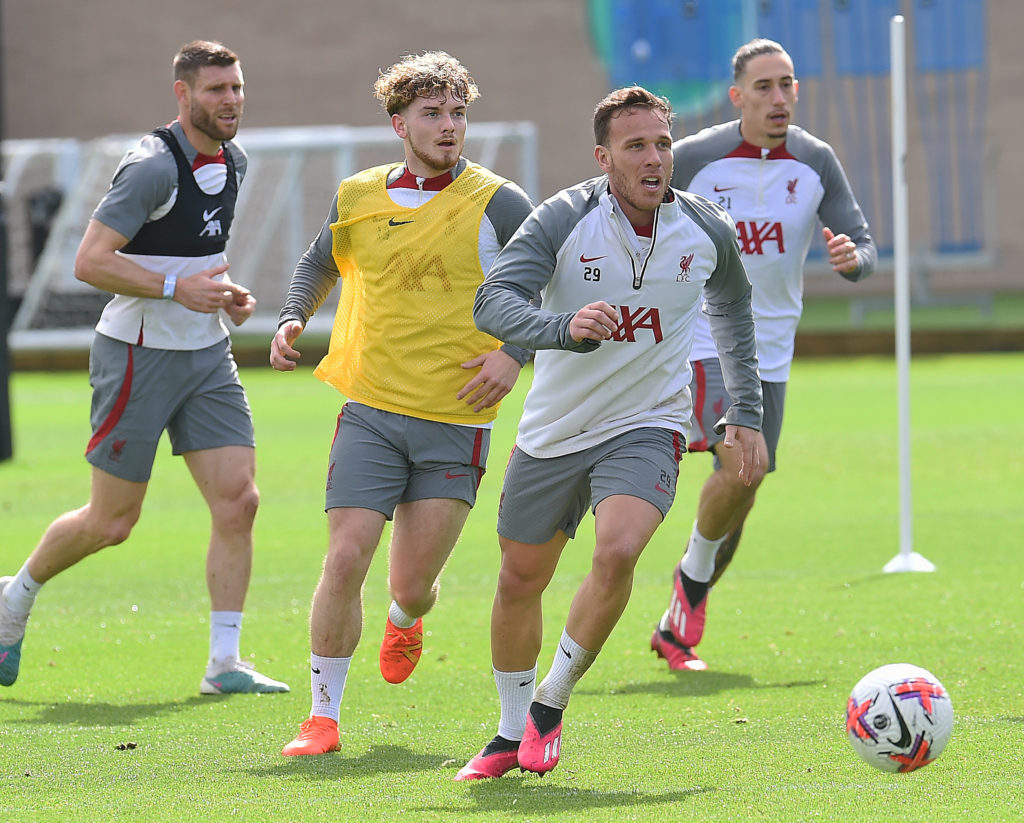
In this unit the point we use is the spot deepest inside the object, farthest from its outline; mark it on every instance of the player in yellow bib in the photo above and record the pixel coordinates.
(410, 243)
(404, 323)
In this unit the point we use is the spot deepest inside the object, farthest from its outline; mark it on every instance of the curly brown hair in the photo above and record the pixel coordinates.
(424, 75)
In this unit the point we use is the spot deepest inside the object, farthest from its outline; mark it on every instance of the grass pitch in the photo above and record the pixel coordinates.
(105, 722)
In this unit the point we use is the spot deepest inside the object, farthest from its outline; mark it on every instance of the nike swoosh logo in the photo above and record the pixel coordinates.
(525, 683)
(592, 259)
(564, 651)
(905, 736)
(315, 671)
(449, 476)
(393, 222)
(724, 188)
(3, 656)
(208, 215)
(657, 487)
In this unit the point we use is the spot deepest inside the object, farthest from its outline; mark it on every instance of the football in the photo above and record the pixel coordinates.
(899, 717)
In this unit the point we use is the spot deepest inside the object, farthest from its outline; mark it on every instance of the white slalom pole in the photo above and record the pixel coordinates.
(907, 560)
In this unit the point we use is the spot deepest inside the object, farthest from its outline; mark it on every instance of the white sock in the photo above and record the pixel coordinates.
(570, 664)
(699, 561)
(400, 618)
(327, 676)
(225, 631)
(515, 692)
(20, 593)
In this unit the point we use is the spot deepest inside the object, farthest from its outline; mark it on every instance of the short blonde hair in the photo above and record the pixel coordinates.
(430, 74)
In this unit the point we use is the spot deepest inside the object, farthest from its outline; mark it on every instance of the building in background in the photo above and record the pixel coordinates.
(547, 63)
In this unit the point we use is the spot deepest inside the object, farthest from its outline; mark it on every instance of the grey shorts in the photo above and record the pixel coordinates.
(710, 400)
(542, 495)
(380, 459)
(138, 392)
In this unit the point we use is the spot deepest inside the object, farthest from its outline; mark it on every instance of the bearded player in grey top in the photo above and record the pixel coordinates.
(777, 182)
(161, 359)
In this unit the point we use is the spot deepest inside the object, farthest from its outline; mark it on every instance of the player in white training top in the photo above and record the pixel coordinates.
(622, 263)
(777, 182)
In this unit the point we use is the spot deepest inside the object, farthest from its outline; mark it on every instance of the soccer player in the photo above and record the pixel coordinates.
(776, 181)
(410, 242)
(604, 421)
(161, 359)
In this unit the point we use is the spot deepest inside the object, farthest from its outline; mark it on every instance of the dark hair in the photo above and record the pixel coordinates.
(423, 75)
(620, 100)
(748, 51)
(198, 54)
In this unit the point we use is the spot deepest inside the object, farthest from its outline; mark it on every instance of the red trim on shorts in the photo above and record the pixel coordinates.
(701, 379)
(677, 444)
(478, 448)
(337, 426)
(119, 407)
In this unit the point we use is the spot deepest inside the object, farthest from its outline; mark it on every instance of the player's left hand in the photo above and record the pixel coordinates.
(842, 252)
(748, 441)
(241, 305)
(498, 374)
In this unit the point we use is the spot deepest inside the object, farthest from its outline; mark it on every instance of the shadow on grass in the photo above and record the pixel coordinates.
(516, 793)
(103, 714)
(528, 796)
(380, 759)
(700, 684)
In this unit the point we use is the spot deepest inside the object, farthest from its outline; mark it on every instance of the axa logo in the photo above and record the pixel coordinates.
(791, 189)
(212, 227)
(684, 268)
(633, 320)
(754, 235)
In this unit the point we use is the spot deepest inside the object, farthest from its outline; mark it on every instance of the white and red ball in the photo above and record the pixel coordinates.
(899, 717)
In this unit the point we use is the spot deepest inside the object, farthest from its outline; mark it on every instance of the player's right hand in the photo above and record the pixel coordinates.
(595, 321)
(283, 355)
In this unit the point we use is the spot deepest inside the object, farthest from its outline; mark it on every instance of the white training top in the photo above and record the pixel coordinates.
(577, 248)
(776, 198)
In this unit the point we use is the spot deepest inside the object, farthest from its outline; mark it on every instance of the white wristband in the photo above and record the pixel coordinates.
(170, 283)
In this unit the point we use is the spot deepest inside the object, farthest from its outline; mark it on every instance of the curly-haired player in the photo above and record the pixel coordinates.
(410, 243)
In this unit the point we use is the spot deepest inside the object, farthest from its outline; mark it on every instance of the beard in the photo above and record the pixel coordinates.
(438, 159)
(633, 194)
(209, 124)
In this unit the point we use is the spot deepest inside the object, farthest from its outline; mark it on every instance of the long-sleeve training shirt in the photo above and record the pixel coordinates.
(578, 248)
